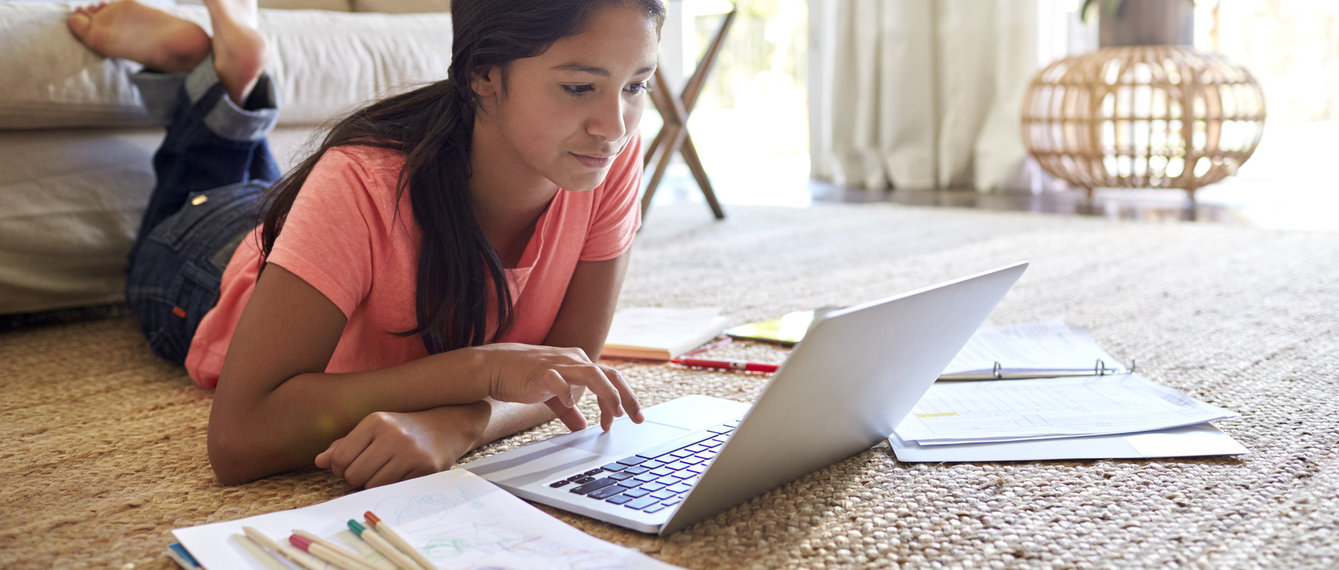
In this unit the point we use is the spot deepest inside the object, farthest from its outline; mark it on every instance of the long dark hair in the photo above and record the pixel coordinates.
(432, 126)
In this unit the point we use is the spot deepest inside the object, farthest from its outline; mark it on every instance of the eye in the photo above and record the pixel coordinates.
(578, 90)
(637, 88)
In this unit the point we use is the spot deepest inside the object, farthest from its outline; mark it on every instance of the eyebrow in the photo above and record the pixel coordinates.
(595, 70)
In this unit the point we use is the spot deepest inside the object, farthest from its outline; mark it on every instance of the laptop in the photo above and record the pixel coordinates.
(844, 388)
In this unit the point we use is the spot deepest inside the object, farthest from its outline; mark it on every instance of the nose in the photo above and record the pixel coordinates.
(608, 119)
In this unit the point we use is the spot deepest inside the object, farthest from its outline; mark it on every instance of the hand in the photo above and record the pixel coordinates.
(532, 374)
(387, 447)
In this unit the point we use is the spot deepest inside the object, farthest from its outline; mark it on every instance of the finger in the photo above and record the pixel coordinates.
(345, 450)
(553, 383)
(629, 399)
(323, 458)
(611, 405)
(366, 466)
(570, 416)
(390, 472)
(593, 377)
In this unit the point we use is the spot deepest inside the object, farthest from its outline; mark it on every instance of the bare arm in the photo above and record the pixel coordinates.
(275, 409)
(582, 322)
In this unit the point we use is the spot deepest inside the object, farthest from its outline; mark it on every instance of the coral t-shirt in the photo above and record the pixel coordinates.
(349, 237)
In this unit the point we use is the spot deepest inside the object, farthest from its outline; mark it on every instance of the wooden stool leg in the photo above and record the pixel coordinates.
(694, 162)
(670, 137)
(673, 136)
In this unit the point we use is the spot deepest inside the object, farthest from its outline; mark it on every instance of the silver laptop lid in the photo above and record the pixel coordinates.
(845, 387)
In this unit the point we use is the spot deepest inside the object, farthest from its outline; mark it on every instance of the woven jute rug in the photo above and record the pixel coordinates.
(103, 446)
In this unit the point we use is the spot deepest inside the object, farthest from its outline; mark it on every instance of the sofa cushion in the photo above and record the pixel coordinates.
(72, 202)
(339, 5)
(402, 6)
(325, 64)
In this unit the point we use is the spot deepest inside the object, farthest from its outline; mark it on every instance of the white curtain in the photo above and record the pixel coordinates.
(922, 93)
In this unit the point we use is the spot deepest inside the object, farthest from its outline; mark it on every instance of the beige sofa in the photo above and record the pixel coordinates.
(75, 144)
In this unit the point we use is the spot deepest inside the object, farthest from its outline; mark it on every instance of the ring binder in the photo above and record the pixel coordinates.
(999, 372)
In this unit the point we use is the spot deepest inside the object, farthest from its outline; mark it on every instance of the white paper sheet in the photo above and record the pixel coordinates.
(455, 518)
(1190, 441)
(1029, 347)
(1004, 410)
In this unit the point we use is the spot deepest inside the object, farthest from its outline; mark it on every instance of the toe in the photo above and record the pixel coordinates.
(79, 24)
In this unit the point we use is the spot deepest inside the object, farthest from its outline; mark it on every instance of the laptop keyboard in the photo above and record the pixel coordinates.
(655, 479)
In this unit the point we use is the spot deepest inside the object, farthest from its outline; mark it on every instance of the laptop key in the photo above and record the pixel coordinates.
(593, 486)
(615, 466)
(619, 499)
(664, 494)
(654, 508)
(641, 503)
(631, 460)
(637, 492)
(581, 479)
(620, 476)
(607, 492)
(673, 445)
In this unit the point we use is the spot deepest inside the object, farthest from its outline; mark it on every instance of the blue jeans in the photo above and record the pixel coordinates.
(211, 170)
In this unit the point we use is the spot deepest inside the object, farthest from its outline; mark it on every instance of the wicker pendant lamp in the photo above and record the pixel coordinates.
(1143, 116)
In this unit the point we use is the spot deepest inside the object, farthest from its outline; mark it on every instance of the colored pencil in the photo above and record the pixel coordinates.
(392, 537)
(331, 556)
(352, 561)
(387, 549)
(282, 550)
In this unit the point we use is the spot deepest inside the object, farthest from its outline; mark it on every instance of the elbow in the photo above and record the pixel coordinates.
(227, 456)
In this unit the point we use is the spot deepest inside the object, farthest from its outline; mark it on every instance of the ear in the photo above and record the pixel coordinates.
(488, 82)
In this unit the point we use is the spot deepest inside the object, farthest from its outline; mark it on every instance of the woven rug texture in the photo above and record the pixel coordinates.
(102, 447)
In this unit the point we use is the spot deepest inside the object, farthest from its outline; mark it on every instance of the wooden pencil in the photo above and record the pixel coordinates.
(394, 538)
(331, 556)
(351, 561)
(387, 549)
(282, 550)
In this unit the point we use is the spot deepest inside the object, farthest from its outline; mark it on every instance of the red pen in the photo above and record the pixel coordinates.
(729, 364)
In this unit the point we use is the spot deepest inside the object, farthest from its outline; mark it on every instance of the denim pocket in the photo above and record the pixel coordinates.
(210, 216)
(174, 278)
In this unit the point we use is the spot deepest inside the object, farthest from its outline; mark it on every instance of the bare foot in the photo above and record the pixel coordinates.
(240, 52)
(143, 34)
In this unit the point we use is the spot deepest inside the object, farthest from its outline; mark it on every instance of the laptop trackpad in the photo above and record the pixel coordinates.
(622, 440)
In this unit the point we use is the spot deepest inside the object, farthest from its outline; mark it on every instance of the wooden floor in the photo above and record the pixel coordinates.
(1250, 203)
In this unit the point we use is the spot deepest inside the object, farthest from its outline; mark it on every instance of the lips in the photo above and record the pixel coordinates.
(595, 160)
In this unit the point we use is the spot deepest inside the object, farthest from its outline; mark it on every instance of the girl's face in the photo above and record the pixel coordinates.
(565, 114)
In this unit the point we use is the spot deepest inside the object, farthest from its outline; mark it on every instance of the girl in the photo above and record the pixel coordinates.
(440, 273)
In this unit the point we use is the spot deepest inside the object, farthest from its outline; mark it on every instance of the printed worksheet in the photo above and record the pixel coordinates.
(1012, 410)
